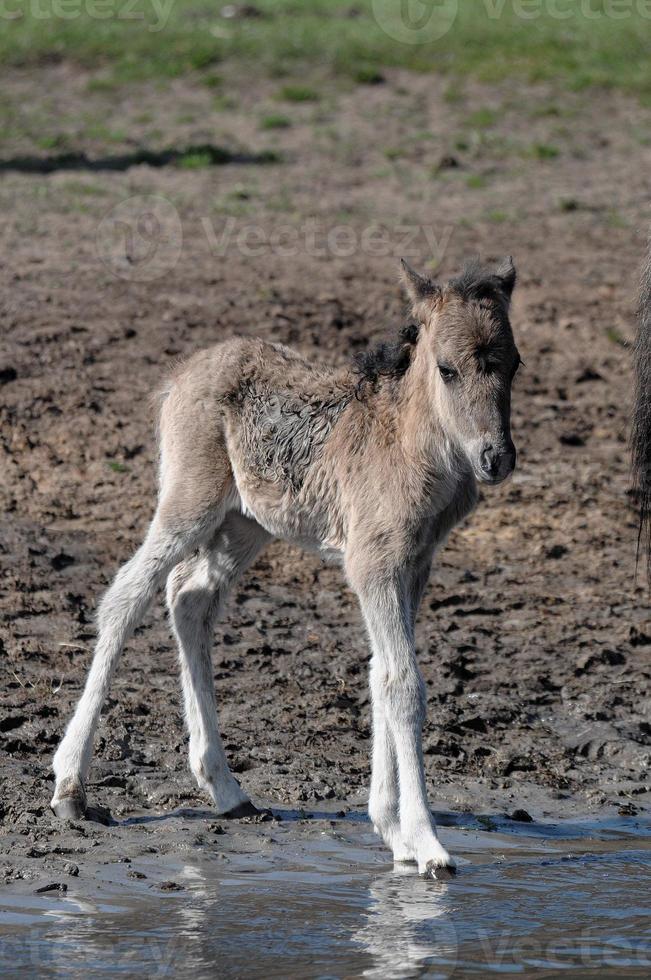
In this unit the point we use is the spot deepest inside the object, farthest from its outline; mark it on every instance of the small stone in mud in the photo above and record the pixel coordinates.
(628, 810)
(61, 561)
(556, 551)
(486, 822)
(170, 886)
(216, 828)
(54, 886)
(136, 874)
(263, 816)
(591, 659)
(572, 439)
(521, 816)
(448, 162)
(9, 874)
(71, 869)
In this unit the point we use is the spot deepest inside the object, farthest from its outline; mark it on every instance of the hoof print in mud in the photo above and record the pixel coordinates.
(439, 872)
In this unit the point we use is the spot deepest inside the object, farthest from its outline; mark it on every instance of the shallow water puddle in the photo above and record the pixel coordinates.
(318, 899)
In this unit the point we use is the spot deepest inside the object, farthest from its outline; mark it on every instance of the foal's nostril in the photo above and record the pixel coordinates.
(496, 464)
(490, 461)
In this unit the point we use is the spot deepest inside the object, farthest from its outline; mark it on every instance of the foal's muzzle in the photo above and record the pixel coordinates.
(495, 464)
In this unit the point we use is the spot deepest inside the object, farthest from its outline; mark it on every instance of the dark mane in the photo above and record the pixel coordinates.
(391, 359)
(641, 434)
(476, 282)
(388, 359)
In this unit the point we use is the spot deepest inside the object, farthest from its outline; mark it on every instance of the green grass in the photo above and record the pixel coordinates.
(298, 93)
(543, 151)
(195, 161)
(497, 217)
(56, 142)
(84, 189)
(367, 75)
(615, 337)
(616, 220)
(97, 131)
(275, 121)
(212, 80)
(317, 36)
(569, 204)
(482, 118)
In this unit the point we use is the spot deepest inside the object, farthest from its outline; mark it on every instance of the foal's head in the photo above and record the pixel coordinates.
(471, 361)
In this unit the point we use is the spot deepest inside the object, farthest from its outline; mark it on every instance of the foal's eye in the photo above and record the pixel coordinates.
(447, 373)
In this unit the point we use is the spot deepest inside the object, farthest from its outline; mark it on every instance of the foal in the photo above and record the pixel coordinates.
(371, 465)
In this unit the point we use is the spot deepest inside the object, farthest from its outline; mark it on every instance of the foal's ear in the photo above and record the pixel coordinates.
(418, 287)
(506, 274)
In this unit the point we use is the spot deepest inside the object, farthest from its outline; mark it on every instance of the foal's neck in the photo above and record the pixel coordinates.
(421, 429)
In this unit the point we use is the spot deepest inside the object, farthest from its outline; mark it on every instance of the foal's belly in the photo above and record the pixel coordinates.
(284, 516)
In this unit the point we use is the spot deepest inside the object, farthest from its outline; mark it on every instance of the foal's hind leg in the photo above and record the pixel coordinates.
(120, 611)
(196, 592)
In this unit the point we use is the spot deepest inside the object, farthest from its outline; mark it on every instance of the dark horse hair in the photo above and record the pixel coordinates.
(391, 359)
(641, 433)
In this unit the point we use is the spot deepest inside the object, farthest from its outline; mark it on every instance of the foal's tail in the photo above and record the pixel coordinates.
(641, 434)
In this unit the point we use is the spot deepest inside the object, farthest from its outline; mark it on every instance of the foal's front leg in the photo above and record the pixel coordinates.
(384, 800)
(398, 688)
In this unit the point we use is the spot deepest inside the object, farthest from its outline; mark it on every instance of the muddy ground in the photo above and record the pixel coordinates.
(534, 635)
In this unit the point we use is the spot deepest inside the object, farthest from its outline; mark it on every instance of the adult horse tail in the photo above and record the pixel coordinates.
(641, 433)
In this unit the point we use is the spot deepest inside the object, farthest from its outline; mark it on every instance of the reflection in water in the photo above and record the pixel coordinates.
(407, 923)
(315, 903)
